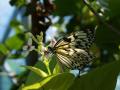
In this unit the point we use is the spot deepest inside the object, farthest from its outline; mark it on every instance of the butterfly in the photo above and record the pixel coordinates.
(73, 50)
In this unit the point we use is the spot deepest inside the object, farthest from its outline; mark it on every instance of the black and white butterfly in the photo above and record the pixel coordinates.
(73, 50)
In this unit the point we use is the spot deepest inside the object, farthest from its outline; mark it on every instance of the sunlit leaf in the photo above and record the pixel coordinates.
(15, 42)
(52, 64)
(33, 77)
(37, 71)
(60, 82)
(102, 78)
(57, 69)
(3, 49)
(38, 85)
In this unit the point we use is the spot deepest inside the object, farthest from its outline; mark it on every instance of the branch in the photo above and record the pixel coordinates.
(100, 19)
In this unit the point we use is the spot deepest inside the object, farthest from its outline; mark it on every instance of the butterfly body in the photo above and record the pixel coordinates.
(73, 50)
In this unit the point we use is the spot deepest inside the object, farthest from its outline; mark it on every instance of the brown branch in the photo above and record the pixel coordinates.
(40, 23)
(100, 19)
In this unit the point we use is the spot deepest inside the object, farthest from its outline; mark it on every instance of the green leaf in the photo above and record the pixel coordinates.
(3, 49)
(33, 77)
(18, 3)
(39, 72)
(60, 82)
(52, 63)
(36, 86)
(114, 6)
(57, 69)
(102, 78)
(17, 26)
(15, 42)
(14, 23)
(67, 7)
(53, 82)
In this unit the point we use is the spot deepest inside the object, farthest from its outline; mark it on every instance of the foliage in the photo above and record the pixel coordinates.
(105, 76)
(100, 15)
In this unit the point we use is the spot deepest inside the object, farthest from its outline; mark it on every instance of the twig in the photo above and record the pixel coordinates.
(100, 19)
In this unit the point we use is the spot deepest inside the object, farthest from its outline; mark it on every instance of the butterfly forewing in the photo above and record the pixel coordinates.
(72, 50)
(79, 39)
(83, 39)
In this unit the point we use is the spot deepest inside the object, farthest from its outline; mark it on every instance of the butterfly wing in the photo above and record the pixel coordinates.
(72, 50)
(74, 58)
(79, 39)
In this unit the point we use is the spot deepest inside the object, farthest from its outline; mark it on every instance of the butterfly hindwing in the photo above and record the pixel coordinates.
(73, 58)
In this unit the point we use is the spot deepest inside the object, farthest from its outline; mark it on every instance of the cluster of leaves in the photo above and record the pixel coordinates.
(15, 42)
(46, 74)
